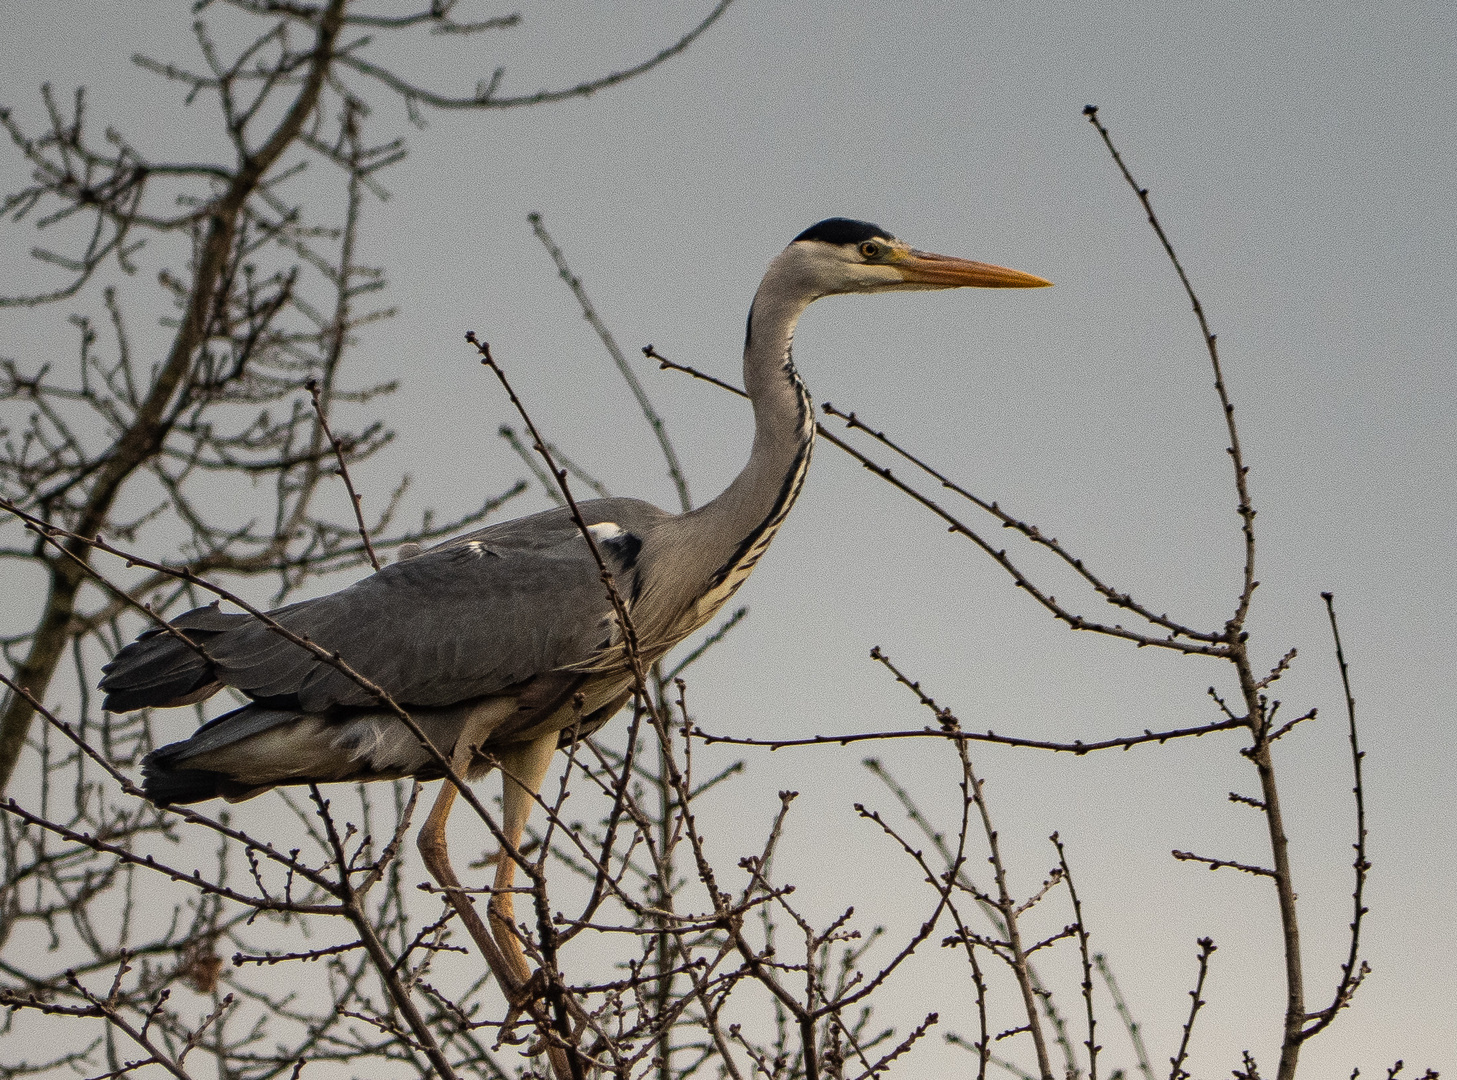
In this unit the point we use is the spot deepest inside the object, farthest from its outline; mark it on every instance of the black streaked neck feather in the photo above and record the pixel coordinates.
(735, 528)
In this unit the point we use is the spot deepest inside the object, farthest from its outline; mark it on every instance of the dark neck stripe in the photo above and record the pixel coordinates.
(753, 545)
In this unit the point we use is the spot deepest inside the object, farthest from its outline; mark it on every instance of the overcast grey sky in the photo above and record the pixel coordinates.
(1302, 158)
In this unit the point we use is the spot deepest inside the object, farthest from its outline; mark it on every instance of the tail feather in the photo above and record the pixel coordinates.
(174, 773)
(249, 750)
(222, 732)
(166, 787)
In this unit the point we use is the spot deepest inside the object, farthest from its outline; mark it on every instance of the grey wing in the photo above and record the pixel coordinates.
(466, 619)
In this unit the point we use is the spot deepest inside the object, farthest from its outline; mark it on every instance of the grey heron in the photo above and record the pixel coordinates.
(497, 641)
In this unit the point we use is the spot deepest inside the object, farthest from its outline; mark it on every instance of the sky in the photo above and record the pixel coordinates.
(1301, 157)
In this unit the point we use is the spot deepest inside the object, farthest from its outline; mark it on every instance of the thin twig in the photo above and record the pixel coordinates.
(1206, 948)
(354, 497)
(1120, 1006)
(1179, 639)
(1082, 932)
(1077, 747)
(1219, 864)
(653, 417)
(1031, 532)
(1354, 970)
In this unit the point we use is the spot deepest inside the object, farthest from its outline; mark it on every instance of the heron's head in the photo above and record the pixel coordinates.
(843, 256)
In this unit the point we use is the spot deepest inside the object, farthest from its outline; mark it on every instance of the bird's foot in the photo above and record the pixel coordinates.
(519, 1004)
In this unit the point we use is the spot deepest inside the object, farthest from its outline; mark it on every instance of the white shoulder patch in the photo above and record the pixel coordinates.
(605, 530)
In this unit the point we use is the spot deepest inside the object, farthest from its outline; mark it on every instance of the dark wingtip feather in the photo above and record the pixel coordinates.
(161, 670)
(182, 691)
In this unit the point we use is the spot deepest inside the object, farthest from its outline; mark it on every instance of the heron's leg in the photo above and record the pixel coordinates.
(511, 974)
(523, 767)
(436, 854)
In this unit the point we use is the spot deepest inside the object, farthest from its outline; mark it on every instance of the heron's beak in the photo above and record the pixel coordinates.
(949, 272)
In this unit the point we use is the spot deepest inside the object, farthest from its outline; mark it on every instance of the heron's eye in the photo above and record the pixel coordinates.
(871, 250)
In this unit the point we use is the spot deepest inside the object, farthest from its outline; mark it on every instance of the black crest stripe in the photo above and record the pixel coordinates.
(838, 230)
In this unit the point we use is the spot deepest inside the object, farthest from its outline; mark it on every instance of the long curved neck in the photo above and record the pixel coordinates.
(735, 528)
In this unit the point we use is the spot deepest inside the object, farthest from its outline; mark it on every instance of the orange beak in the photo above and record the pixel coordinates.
(947, 271)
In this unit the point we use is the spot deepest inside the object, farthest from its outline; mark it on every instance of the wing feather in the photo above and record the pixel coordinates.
(466, 619)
